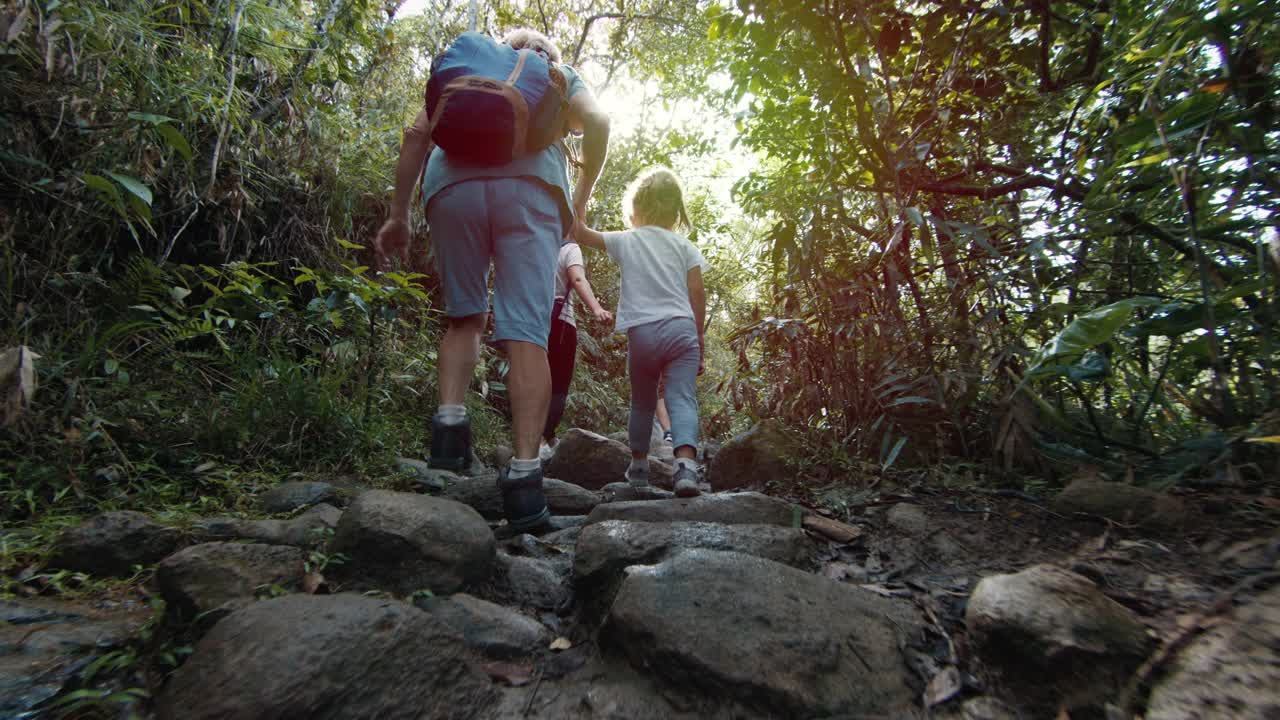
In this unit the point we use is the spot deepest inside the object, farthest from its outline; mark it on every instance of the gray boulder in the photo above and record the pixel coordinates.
(593, 461)
(1046, 623)
(328, 657)
(491, 630)
(307, 530)
(753, 458)
(606, 549)
(203, 577)
(1123, 503)
(782, 640)
(625, 492)
(529, 582)
(287, 497)
(112, 543)
(403, 542)
(482, 494)
(731, 509)
(1233, 670)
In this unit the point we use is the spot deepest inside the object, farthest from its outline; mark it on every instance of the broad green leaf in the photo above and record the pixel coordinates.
(1091, 329)
(134, 186)
(909, 400)
(349, 245)
(151, 118)
(104, 186)
(175, 139)
(914, 215)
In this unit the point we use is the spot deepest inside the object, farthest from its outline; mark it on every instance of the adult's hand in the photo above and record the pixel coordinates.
(391, 242)
(702, 354)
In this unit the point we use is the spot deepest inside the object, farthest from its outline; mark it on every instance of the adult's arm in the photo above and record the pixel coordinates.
(698, 299)
(393, 238)
(586, 236)
(586, 116)
(582, 286)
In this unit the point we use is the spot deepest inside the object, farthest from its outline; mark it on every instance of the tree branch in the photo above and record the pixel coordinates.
(586, 27)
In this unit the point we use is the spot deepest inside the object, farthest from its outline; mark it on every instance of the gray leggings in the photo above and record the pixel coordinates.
(665, 349)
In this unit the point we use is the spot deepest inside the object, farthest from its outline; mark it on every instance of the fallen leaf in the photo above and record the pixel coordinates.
(839, 571)
(513, 674)
(312, 582)
(561, 643)
(887, 592)
(18, 382)
(944, 686)
(833, 530)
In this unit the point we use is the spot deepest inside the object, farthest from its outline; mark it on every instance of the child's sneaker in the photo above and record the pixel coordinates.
(450, 444)
(546, 451)
(637, 477)
(523, 501)
(685, 482)
(666, 437)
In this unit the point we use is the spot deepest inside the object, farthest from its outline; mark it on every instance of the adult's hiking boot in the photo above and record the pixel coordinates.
(450, 444)
(523, 501)
(685, 482)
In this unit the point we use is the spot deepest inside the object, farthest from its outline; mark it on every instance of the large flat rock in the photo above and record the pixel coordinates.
(604, 550)
(482, 493)
(491, 630)
(773, 637)
(328, 657)
(731, 509)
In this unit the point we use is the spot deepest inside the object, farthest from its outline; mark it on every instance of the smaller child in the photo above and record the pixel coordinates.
(662, 308)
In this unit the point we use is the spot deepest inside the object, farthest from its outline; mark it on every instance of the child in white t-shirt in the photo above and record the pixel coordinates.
(662, 308)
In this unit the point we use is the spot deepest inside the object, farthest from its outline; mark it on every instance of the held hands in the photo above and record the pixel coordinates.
(391, 242)
(702, 354)
(603, 316)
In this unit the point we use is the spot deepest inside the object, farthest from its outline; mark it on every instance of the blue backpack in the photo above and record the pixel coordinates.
(490, 104)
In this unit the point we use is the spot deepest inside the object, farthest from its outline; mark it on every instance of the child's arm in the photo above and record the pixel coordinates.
(586, 236)
(698, 299)
(582, 286)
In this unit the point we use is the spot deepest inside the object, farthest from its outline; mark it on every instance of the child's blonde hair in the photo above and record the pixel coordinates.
(655, 198)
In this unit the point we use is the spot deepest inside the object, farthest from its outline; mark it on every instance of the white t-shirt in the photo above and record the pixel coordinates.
(570, 255)
(655, 265)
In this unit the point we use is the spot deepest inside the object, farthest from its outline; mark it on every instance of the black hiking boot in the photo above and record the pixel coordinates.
(450, 444)
(523, 501)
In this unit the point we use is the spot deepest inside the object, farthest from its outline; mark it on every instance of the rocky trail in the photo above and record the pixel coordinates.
(881, 601)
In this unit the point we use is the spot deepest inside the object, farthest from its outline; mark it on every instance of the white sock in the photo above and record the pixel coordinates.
(522, 468)
(451, 413)
(640, 466)
(687, 463)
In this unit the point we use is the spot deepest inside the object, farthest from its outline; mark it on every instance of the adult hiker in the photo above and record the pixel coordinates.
(562, 344)
(488, 202)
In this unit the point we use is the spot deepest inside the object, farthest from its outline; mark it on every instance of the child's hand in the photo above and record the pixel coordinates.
(604, 316)
(392, 241)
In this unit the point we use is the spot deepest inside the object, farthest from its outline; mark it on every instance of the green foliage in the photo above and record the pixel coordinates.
(971, 195)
